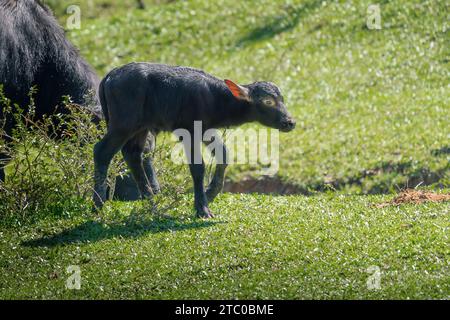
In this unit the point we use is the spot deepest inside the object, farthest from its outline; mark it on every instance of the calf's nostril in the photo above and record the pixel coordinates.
(289, 123)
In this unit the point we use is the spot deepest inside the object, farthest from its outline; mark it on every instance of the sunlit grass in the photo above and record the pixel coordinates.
(364, 99)
(258, 247)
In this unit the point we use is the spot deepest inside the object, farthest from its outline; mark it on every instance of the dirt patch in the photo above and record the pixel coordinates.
(416, 197)
(264, 185)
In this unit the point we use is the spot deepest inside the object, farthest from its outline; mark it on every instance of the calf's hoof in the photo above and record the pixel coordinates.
(97, 205)
(156, 191)
(212, 192)
(155, 188)
(95, 209)
(126, 189)
(204, 213)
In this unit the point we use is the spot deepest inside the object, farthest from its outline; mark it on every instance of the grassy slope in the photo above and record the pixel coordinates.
(363, 99)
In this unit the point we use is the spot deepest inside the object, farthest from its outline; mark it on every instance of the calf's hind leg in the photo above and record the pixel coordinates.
(148, 163)
(151, 174)
(104, 151)
(4, 159)
(132, 153)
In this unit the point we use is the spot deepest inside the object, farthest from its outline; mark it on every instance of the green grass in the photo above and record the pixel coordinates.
(373, 113)
(365, 100)
(259, 247)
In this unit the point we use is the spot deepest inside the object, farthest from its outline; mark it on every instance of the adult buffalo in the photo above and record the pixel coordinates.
(34, 51)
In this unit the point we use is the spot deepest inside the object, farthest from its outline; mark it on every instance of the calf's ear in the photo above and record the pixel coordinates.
(238, 91)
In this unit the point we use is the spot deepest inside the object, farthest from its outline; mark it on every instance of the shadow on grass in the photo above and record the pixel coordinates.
(279, 23)
(445, 150)
(132, 227)
(378, 180)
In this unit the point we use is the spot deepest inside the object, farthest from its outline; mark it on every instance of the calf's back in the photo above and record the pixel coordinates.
(161, 97)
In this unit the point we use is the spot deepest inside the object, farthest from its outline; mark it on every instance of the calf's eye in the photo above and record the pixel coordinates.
(269, 102)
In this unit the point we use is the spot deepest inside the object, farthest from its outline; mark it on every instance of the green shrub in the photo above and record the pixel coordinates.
(51, 167)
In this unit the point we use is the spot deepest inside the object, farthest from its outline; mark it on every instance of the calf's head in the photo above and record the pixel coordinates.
(266, 104)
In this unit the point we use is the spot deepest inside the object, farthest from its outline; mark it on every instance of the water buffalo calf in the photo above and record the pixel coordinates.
(139, 99)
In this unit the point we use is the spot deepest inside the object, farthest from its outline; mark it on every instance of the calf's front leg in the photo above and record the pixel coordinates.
(198, 174)
(219, 151)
